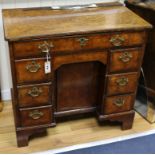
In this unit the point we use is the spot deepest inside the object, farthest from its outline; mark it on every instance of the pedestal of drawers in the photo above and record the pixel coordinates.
(147, 12)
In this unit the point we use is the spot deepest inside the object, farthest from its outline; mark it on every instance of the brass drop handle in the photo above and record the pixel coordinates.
(35, 92)
(33, 67)
(83, 41)
(117, 40)
(122, 81)
(36, 114)
(125, 57)
(45, 47)
(119, 102)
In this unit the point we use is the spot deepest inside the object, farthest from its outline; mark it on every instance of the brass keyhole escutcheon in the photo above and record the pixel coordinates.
(83, 41)
(45, 47)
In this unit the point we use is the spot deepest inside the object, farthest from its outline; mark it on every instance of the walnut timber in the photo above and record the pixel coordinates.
(95, 56)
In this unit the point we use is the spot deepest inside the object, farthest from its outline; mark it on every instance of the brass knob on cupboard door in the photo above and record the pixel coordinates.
(45, 47)
(119, 102)
(36, 114)
(33, 67)
(117, 40)
(125, 57)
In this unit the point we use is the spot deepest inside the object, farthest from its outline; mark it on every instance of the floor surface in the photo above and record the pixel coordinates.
(67, 133)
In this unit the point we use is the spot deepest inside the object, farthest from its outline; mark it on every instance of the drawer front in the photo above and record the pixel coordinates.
(122, 83)
(125, 60)
(36, 116)
(119, 103)
(34, 95)
(28, 71)
(67, 44)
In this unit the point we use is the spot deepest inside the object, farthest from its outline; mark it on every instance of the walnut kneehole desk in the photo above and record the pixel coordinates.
(95, 56)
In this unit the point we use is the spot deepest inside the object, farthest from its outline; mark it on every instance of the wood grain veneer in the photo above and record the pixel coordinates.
(45, 21)
(84, 47)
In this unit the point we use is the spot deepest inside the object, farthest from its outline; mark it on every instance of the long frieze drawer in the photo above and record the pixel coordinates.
(122, 83)
(35, 95)
(72, 44)
(125, 60)
(119, 103)
(31, 70)
(36, 116)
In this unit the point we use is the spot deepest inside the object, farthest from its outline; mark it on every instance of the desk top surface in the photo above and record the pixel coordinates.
(36, 23)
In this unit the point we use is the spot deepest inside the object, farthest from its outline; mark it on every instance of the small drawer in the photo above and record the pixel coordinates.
(31, 70)
(125, 60)
(118, 104)
(36, 116)
(122, 83)
(80, 42)
(35, 95)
